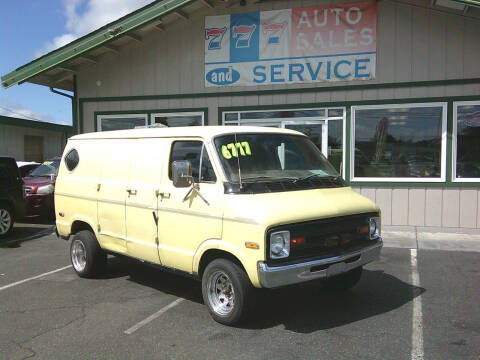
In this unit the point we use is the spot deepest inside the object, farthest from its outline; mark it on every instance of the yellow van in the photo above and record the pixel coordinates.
(237, 207)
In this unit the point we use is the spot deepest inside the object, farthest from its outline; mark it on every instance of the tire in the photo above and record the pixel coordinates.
(6, 220)
(87, 257)
(230, 305)
(345, 281)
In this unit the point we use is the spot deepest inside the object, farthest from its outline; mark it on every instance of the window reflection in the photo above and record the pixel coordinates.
(178, 120)
(468, 141)
(402, 142)
(121, 123)
(335, 112)
(335, 143)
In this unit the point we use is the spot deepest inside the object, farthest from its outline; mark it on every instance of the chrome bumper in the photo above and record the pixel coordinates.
(275, 276)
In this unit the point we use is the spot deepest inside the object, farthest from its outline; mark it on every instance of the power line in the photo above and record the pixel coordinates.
(22, 115)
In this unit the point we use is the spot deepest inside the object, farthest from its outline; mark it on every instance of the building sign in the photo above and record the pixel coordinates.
(302, 45)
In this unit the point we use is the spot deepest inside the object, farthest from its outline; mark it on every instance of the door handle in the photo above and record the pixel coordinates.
(163, 195)
(132, 191)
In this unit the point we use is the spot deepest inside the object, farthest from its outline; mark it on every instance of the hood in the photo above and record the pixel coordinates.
(295, 206)
(37, 181)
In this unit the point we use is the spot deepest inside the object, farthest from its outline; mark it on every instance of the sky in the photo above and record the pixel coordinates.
(31, 28)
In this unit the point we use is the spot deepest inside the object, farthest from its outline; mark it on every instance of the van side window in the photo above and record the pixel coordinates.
(72, 159)
(195, 152)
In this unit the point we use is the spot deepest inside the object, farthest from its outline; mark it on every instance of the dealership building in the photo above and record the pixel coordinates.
(389, 90)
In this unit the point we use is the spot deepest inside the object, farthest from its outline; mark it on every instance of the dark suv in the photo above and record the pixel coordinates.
(12, 195)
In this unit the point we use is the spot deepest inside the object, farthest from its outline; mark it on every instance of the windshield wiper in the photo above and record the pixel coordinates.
(329, 177)
(270, 178)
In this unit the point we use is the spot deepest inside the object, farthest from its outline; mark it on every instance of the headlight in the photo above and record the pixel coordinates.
(47, 189)
(279, 244)
(374, 227)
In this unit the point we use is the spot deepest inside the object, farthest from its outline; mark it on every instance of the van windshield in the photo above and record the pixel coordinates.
(267, 157)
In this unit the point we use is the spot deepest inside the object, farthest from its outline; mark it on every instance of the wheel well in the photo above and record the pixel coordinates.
(212, 254)
(79, 226)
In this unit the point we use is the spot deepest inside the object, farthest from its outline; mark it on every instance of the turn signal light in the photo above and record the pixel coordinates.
(252, 245)
(299, 240)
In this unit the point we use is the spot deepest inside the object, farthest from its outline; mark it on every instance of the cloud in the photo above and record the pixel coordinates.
(84, 16)
(9, 108)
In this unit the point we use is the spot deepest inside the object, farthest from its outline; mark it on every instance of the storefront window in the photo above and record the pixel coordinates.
(399, 142)
(335, 112)
(178, 119)
(120, 122)
(467, 141)
(231, 116)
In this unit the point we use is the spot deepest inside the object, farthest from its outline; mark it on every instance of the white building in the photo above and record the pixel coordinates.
(27, 140)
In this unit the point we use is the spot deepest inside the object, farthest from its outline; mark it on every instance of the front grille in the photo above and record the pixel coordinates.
(323, 238)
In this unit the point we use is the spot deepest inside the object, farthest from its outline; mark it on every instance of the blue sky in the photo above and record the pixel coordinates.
(30, 28)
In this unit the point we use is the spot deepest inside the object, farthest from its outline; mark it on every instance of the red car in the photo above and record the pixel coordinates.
(39, 188)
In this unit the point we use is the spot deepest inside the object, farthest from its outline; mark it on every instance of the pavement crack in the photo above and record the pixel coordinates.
(81, 317)
(26, 348)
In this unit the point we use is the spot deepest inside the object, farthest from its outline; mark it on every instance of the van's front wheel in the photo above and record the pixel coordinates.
(88, 259)
(226, 291)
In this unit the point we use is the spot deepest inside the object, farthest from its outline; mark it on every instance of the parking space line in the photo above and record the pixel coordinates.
(153, 316)
(417, 317)
(33, 278)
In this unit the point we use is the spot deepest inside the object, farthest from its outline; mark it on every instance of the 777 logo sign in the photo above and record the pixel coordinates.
(242, 34)
(274, 31)
(215, 35)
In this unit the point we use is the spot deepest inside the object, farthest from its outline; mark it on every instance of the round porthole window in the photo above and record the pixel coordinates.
(72, 160)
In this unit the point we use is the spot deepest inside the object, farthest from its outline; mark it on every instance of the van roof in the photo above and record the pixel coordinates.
(206, 132)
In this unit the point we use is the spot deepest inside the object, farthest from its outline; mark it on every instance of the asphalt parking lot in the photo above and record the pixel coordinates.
(410, 304)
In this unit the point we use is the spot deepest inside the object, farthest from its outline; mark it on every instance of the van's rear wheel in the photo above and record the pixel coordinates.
(88, 258)
(344, 281)
(226, 291)
(6, 220)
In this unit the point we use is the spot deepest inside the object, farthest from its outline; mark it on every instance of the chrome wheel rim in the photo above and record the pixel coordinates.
(5, 221)
(221, 295)
(79, 255)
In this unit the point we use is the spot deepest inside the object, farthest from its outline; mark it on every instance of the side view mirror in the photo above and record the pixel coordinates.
(182, 173)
